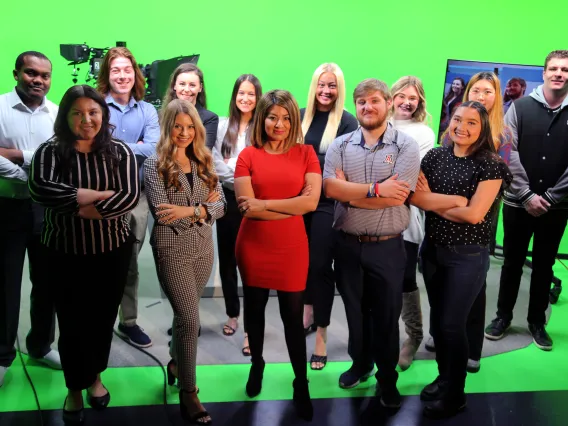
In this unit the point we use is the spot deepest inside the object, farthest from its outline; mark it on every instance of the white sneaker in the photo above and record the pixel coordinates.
(51, 360)
(3, 371)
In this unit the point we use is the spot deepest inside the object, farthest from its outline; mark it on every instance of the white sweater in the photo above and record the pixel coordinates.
(425, 137)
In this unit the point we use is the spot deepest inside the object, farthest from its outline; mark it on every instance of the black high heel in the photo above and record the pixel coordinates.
(193, 419)
(310, 328)
(171, 376)
(302, 400)
(73, 418)
(254, 383)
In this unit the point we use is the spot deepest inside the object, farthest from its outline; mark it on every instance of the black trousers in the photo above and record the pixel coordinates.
(519, 227)
(454, 276)
(227, 231)
(369, 279)
(409, 283)
(476, 324)
(320, 287)
(20, 228)
(87, 292)
(291, 311)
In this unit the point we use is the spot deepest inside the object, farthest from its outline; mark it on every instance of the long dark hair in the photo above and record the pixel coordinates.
(450, 93)
(183, 69)
(483, 146)
(230, 139)
(65, 139)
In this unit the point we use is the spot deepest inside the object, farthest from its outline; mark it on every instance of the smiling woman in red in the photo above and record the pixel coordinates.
(277, 180)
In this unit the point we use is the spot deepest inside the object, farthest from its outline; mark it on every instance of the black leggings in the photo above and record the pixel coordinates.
(291, 311)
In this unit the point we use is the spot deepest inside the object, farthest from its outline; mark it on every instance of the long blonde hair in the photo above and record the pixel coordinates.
(421, 114)
(284, 99)
(336, 112)
(197, 152)
(496, 118)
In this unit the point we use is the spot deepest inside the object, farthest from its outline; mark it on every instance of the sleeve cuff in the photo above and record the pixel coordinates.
(548, 198)
(527, 197)
(28, 155)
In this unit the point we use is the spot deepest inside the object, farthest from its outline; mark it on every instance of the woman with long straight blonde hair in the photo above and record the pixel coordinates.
(323, 120)
(185, 198)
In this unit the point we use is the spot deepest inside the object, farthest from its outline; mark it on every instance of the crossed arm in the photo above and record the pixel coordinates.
(254, 208)
(455, 207)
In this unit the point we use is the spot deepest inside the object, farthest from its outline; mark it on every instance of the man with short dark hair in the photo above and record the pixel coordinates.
(536, 203)
(26, 121)
(370, 173)
(515, 89)
(121, 82)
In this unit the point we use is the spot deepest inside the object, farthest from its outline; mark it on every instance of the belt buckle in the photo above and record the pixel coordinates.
(359, 238)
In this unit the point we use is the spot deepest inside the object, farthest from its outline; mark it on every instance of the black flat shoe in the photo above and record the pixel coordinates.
(73, 418)
(98, 402)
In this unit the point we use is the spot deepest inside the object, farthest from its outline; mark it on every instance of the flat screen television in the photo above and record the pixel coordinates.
(516, 81)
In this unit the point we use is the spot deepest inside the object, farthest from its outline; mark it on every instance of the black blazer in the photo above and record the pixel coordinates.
(211, 121)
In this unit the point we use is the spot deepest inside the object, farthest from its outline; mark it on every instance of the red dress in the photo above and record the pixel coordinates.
(274, 253)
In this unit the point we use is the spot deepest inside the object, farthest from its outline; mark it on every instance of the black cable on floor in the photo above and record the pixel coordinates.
(165, 394)
(29, 380)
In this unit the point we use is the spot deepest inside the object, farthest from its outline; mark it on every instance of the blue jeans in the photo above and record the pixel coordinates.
(454, 277)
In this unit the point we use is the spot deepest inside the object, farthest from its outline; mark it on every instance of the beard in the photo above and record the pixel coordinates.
(372, 124)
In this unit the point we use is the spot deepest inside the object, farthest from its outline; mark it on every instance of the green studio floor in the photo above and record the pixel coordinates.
(524, 370)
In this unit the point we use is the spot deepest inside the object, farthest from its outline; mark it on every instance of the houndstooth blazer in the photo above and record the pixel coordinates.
(169, 238)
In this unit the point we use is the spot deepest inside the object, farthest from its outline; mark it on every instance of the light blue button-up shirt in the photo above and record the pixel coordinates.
(137, 121)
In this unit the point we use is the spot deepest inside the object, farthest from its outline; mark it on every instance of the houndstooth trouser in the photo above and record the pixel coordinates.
(183, 278)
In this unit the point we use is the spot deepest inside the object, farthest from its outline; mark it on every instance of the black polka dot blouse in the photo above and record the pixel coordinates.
(451, 175)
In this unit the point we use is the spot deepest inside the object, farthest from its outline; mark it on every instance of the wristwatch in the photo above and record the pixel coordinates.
(197, 213)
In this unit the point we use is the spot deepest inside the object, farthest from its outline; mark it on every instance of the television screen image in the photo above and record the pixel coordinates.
(516, 81)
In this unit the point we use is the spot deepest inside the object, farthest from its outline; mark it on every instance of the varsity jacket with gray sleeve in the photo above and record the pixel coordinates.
(539, 157)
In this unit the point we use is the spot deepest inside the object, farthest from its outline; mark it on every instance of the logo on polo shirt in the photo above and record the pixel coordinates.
(389, 159)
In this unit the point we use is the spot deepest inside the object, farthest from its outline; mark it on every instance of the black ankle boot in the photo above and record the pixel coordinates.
(302, 401)
(254, 383)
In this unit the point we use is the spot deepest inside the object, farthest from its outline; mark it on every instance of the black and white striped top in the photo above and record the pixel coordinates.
(63, 229)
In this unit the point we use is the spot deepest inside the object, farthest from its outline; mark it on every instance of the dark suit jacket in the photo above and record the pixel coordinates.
(211, 121)
(167, 238)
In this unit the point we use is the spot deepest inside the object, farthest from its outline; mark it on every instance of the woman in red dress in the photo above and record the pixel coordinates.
(277, 180)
